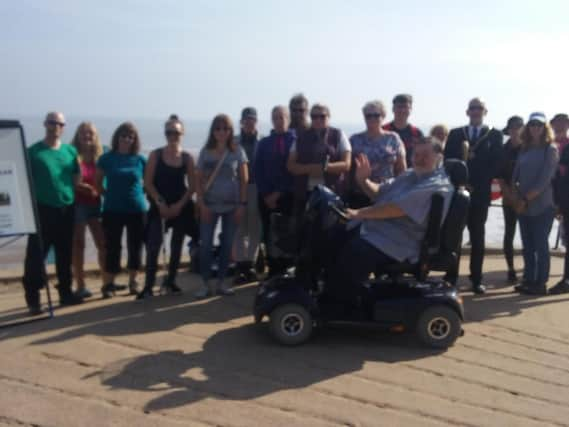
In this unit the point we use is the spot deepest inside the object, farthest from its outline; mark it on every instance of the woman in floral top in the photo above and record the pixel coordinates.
(384, 149)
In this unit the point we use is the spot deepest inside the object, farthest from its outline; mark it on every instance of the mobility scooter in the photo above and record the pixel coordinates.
(400, 298)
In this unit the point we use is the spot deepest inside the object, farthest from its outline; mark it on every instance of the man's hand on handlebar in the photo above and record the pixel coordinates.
(352, 213)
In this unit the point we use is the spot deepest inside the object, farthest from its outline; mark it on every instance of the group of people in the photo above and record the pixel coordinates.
(385, 174)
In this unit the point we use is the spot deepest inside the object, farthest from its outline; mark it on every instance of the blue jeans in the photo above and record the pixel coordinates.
(535, 240)
(207, 229)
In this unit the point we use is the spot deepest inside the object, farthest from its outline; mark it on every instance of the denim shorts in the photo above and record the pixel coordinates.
(84, 213)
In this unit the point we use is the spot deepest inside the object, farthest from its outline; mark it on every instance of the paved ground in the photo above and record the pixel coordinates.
(173, 361)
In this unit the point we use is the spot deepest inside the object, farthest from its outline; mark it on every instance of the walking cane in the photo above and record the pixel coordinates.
(164, 261)
(558, 238)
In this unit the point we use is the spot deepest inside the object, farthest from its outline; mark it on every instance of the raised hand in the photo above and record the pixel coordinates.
(363, 168)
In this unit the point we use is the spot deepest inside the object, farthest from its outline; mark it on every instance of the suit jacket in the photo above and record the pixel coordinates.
(484, 158)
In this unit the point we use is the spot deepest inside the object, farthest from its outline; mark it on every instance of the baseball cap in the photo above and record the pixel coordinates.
(537, 116)
(513, 122)
(249, 112)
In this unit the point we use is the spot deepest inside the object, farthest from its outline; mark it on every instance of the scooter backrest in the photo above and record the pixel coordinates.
(443, 251)
(453, 228)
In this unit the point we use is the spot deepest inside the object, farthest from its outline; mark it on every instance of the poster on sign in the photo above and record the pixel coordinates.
(16, 203)
(10, 203)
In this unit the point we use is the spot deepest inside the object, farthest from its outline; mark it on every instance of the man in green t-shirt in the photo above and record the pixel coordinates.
(55, 172)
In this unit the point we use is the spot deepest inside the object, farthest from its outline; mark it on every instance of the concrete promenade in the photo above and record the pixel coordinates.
(173, 361)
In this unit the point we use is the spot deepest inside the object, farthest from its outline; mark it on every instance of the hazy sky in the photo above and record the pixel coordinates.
(130, 59)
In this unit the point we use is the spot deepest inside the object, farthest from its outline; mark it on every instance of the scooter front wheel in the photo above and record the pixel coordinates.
(291, 324)
(438, 327)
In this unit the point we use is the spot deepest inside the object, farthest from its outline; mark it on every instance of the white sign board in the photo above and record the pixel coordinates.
(16, 204)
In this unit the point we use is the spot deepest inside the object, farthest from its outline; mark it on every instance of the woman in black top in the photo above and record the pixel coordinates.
(169, 183)
(511, 150)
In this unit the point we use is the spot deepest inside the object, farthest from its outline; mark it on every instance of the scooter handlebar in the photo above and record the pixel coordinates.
(338, 211)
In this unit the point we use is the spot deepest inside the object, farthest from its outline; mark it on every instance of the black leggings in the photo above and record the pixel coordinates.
(113, 225)
(510, 221)
(154, 241)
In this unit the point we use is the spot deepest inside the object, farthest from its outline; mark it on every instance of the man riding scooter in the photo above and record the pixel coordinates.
(391, 230)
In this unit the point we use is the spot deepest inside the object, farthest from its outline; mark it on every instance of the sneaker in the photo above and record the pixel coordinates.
(108, 290)
(116, 288)
(202, 292)
(245, 277)
(69, 299)
(512, 276)
(523, 285)
(133, 288)
(244, 273)
(560, 288)
(146, 293)
(172, 288)
(224, 289)
(35, 310)
(479, 289)
(535, 289)
(84, 293)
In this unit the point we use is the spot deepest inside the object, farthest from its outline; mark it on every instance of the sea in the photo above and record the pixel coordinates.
(151, 132)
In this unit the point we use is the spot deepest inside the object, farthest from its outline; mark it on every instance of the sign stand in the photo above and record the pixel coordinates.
(18, 209)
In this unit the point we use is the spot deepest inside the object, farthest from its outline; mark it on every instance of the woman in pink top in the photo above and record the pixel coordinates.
(87, 203)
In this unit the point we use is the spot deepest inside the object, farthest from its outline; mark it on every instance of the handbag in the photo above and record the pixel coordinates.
(210, 181)
(518, 202)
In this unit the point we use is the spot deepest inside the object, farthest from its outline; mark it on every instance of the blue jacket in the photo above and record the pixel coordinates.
(269, 169)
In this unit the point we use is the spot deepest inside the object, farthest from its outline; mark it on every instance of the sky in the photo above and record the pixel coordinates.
(146, 59)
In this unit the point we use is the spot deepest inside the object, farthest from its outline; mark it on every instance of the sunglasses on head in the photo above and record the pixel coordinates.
(55, 123)
(318, 116)
(370, 116)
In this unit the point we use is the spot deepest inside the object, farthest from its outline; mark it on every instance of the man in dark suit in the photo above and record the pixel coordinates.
(481, 147)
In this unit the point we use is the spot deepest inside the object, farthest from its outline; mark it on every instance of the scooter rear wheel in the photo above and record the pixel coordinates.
(290, 324)
(438, 327)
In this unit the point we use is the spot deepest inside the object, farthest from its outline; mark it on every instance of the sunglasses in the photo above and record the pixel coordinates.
(55, 123)
(535, 124)
(222, 129)
(476, 108)
(318, 116)
(173, 133)
(370, 116)
(298, 110)
(127, 136)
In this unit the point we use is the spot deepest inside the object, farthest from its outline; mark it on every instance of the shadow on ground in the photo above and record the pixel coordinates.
(124, 316)
(242, 363)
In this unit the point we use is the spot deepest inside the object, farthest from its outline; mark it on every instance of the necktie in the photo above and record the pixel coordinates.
(474, 133)
(279, 145)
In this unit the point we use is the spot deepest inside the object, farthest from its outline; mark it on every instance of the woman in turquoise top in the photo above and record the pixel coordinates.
(124, 205)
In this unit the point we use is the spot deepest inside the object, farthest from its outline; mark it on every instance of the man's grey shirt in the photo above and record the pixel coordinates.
(400, 238)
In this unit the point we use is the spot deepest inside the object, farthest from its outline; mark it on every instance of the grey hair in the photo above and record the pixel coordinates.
(320, 107)
(375, 104)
